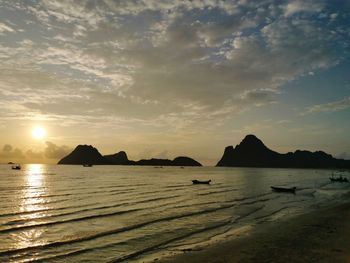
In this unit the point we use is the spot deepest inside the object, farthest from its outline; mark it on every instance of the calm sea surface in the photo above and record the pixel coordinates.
(52, 213)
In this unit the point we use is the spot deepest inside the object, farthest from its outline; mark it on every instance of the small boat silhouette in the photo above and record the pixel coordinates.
(200, 182)
(284, 189)
(340, 179)
(16, 167)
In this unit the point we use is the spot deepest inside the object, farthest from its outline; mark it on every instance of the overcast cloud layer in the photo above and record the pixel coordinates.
(179, 66)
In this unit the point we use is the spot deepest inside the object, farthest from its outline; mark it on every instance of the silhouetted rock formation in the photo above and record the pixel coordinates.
(178, 161)
(84, 154)
(226, 159)
(185, 161)
(251, 152)
(154, 162)
(119, 158)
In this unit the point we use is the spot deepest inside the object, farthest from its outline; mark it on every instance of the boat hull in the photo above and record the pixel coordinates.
(201, 182)
(283, 189)
(341, 180)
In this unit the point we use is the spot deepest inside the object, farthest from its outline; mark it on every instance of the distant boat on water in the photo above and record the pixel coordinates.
(340, 179)
(16, 167)
(284, 189)
(87, 165)
(200, 182)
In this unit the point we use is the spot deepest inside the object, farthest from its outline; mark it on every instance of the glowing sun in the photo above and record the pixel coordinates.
(38, 133)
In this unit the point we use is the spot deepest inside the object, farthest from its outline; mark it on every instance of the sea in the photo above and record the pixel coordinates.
(67, 213)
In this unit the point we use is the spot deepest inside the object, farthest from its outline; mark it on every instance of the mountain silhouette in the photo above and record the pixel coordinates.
(84, 154)
(119, 158)
(155, 162)
(178, 161)
(185, 161)
(252, 152)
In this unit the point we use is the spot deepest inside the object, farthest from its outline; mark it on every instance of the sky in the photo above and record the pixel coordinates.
(168, 78)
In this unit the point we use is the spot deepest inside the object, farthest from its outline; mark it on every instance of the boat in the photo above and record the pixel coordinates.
(340, 179)
(87, 165)
(16, 167)
(284, 189)
(201, 182)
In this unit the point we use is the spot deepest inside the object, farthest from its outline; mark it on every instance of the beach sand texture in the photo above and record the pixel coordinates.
(319, 236)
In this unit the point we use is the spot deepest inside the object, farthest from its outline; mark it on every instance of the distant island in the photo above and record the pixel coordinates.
(87, 154)
(252, 152)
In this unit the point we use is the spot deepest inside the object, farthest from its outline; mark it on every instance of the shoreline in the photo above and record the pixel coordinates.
(322, 235)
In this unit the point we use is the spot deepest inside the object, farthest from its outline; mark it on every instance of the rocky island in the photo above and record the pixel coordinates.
(84, 154)
(87, 154)
(252, 152)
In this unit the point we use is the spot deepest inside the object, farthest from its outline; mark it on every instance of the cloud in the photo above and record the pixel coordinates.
(259, 97)
(5, 28)
(298, 6)
(142, 63)
(329, 107)
(53, 151)
(8, 152)
(34, 155)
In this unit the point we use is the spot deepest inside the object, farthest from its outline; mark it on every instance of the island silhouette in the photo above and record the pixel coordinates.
(87, 154)
(252, 152)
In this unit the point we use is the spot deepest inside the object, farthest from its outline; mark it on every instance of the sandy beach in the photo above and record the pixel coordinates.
(319, 236)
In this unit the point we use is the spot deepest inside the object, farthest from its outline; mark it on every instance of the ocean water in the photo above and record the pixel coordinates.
(51, 213)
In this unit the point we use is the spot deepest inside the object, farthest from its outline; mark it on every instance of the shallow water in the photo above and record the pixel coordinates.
(53, 213)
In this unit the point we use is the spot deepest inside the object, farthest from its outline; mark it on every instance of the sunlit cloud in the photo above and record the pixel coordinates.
(179, 66)
(297, 6)
(5, 28)
(329, 107)
(9, 152)
(51, 152)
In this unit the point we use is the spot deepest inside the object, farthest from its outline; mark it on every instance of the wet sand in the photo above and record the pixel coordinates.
(319, 236)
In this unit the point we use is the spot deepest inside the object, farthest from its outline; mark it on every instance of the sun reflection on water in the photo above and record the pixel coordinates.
(33, 203)
(34, 188)
(35, 175)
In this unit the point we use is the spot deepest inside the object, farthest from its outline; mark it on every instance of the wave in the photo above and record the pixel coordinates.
(105, 233)
(218, 192)
(274, 212)
(68, 220)
(86, 210)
